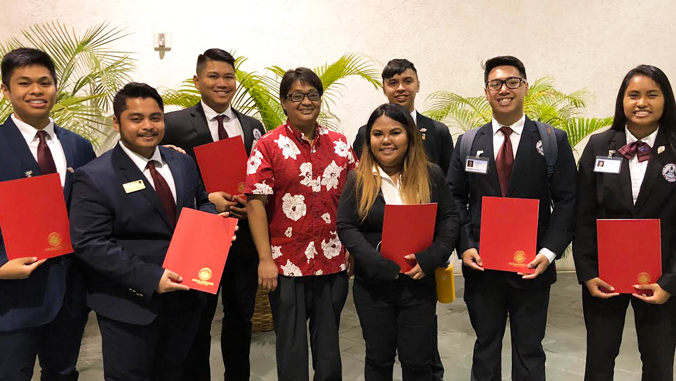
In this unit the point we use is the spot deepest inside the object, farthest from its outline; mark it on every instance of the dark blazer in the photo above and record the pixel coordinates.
(37, 300)
(604, 195)
(528, 180)
(438, 141)
(188, 128)
(361, 238)
(124, 237)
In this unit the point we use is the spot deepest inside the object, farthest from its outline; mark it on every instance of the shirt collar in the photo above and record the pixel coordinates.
(650, 139)
(319, 130)
(140, 161)
(30, 133)
(516, 127)
(383, 175)
(210, 114)
(414, 115)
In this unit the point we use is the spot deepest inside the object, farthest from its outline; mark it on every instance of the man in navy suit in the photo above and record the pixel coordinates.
(42, 309)
(125, 207)
(517, 168)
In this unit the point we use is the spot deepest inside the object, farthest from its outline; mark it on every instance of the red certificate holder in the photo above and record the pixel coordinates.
(34, 218)
(223, 165)
(407, 229)
(199, 249)
(509, 228)
(630, 253)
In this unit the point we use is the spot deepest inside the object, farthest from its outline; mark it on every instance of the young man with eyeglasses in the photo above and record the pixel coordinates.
(518, 169)
(295, 176)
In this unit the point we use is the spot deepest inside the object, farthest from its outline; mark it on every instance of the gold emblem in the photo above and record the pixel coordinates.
(644, 278)
(241, 187)
(519, 256)
(205, 274)
(54, 239)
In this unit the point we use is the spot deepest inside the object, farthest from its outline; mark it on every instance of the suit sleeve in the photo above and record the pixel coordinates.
(367, 258)
(358, 144)
(585, 251)
(445, 146)
(446, 229)
(91, 226)
(562, 191)
(458, 183)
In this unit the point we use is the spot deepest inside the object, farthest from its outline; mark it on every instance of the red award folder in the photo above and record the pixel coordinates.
(509, 228)
(630, 253)
(34, 218)
(223, 165)
(407, 229)
(199, 248)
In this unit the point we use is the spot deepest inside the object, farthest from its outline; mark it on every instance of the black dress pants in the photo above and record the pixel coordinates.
(397, 316)
(319, 299)
(238, 292)
(489, 305)
(655, 329)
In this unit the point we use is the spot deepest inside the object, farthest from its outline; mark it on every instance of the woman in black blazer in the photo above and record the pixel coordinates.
(396, 310)
(645, 113)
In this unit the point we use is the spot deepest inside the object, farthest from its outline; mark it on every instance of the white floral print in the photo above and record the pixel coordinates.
(262, 188)
(323, 130)
(331, 175)
(289, 232)
(289, 148)
(342, 149)
(289, 269)
(306, 173)
(310, 251)
(343, 267)
(326, 217)
(294, 206)
(331, 248)
(276, 251)
(254, 162)
(319, 272)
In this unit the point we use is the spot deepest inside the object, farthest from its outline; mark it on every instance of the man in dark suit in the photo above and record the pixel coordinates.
(125, 207)
(401, 85)
(516, 168)
(212, 119)
(42, 309)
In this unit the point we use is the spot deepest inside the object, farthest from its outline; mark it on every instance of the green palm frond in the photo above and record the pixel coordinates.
(455, 110)
(579, 128)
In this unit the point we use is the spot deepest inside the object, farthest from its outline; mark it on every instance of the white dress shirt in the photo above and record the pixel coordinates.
(161, 166)
(636, 169)
(390, 190)
(414, 115)
(515, 138)
(231, 123)
(30, 134)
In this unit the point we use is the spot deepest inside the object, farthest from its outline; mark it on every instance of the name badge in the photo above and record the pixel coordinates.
(607, 165)
(476, 164)
(134, 186)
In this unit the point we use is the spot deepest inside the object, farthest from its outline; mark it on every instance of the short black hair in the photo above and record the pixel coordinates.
(503, 61)
(134, 90)
(213, 54)
(668, 119)
(397, 66)
(302, 74)
(23, 57)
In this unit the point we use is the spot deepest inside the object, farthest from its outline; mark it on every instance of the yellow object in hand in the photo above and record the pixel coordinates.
(445, 284)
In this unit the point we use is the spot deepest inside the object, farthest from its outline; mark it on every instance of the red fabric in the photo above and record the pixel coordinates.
(45, 159)
(304, 183)
(162, 189)
(505, 160)
(222, 133)
(639, 148)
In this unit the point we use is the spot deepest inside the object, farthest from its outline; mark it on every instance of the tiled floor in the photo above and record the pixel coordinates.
(564, 343)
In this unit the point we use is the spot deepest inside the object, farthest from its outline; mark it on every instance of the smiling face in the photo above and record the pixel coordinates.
(402, 88)
(141, 125)
(217, 84)
(389, 144)
(32, 92)
(507, 104)
(302, 115)
(643, 105)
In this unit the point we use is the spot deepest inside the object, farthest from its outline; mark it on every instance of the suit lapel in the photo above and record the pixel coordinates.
(526, 154)
(199, 123)
(130, 172)
(29, 166)
(247, 130)
(68, 149)
(651, 181)
(484, 141)
(619, 182)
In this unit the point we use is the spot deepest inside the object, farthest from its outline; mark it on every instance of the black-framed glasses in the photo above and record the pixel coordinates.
(511, 83)
(298, 97)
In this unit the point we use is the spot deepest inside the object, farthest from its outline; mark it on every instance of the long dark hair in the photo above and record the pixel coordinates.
(668, 119)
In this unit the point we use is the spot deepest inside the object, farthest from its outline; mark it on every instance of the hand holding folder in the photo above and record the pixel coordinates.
(407, 229)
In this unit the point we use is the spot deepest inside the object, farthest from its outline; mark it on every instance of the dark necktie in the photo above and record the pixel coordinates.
(222, 133)
(45, 159)
(163, 190)
(639, 148)
(505, 160)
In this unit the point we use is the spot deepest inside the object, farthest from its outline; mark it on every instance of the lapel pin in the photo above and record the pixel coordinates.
(611, 153)
(423, 130)
(28, 173)
(660, 149)
(478, 153)
(70, 169)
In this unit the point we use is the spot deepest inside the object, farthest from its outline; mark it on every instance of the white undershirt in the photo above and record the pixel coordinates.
(231, 123)
(161, 166)
(390, 190)
(30, 135)
(414, 115)
(636, 169)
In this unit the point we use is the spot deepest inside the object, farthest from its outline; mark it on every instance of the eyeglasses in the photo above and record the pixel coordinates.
(298, 97)
(511, 82)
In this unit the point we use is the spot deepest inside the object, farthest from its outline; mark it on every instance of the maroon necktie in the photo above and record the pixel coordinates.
(222, 133)
(45, 159)
(639, 148)
(505, 160)
(162, 189)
